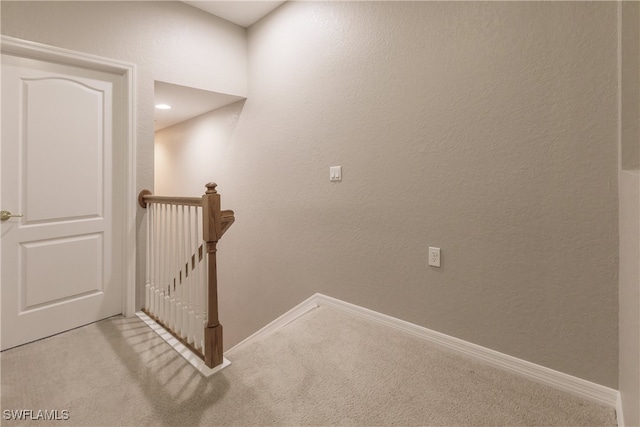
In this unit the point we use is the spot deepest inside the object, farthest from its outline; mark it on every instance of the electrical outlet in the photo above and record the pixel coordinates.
(434, 257)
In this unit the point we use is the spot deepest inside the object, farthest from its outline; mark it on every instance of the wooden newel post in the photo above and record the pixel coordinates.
(212, 230)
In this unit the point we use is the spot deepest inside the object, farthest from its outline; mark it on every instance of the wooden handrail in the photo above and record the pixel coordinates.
(215, 223)
(145, 197)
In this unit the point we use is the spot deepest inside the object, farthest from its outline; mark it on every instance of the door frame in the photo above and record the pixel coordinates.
(125, 164)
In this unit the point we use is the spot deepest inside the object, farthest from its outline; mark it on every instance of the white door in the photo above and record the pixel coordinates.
(58, 269)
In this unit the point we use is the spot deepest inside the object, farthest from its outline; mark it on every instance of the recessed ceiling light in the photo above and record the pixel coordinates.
(163, 106)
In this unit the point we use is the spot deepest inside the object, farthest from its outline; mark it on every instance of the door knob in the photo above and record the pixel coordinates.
(5, 215)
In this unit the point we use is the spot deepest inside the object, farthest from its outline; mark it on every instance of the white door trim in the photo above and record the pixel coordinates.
(14, 46)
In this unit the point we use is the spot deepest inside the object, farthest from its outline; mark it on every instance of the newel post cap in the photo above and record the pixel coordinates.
(211, 188)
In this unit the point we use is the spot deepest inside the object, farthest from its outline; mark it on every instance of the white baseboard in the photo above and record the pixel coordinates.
(576, 386)
(196, 361)
(288, 317)
(561, 381)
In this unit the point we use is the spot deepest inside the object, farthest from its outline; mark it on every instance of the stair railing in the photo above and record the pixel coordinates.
(181, 284)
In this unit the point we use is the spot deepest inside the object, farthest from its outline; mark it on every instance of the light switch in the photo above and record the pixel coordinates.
(335, 173)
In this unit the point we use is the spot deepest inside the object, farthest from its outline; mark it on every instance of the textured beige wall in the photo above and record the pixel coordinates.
(488, 129)
(630, 296)
(629, 194)
(190, 154)
(167, 41)
(630, 83)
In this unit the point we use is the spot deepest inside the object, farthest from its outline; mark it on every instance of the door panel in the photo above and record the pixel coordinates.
(58, 270)
(63, 118)
(57, 170)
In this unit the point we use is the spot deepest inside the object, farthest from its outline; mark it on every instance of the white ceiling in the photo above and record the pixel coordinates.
(241, 12)
(187, 102)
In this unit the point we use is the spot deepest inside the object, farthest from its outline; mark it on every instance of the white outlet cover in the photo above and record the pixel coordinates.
(434, 257)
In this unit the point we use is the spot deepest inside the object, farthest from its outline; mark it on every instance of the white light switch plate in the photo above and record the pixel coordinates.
(335, 173)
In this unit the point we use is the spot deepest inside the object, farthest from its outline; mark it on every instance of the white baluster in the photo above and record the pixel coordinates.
(180, 267)
(200, 303)
(170, 275)
(176, 268)
(153, 216)
(187, 279)
(152, 257)
(171, 321)
(158, 288)
(147, 284)
(157, 243)
(163, 263)
(193, 249)
(159, 275)
(204, 288)
(169, 281)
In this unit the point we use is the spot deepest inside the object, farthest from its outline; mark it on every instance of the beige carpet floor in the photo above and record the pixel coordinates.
(325, 368)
